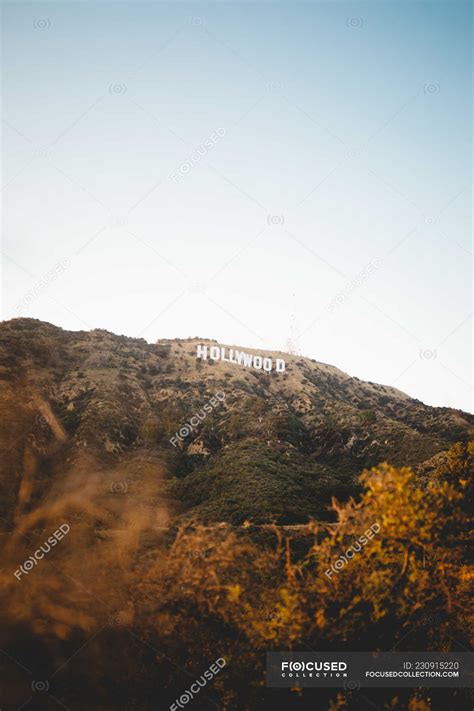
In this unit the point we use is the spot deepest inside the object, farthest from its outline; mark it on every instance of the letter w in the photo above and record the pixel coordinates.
(243, 358)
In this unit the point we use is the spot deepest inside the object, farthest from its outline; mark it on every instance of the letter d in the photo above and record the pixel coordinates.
(64, 525)
(280, 365)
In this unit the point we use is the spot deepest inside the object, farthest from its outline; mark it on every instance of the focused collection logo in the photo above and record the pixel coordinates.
(355, 548)
(313, 668)
(355, 670)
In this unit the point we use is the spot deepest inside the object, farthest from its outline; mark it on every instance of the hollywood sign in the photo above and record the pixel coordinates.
(248, 360)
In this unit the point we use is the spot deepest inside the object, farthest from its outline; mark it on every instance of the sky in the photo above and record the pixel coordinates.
(282, 176)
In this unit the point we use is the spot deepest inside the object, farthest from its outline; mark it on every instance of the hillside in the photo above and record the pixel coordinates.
(274, 446)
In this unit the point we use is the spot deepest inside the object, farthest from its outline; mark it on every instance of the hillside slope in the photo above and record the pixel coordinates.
(93, 406)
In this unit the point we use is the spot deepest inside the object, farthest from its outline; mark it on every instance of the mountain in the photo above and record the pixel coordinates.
(107, 411)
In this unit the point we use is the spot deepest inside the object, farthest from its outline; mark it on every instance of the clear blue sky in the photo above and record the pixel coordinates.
(247, 172)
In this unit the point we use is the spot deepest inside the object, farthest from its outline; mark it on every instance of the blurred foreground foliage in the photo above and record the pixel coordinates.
(163, 613)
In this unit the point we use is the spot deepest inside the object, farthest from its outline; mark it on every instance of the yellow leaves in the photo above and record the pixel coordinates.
(417, 704)
(286, 608)
(466, 574)
(297, 690)
(285, 623)
(339, 703)
(233, 592)
(280, 597)
(320, 618)
(379, 609)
